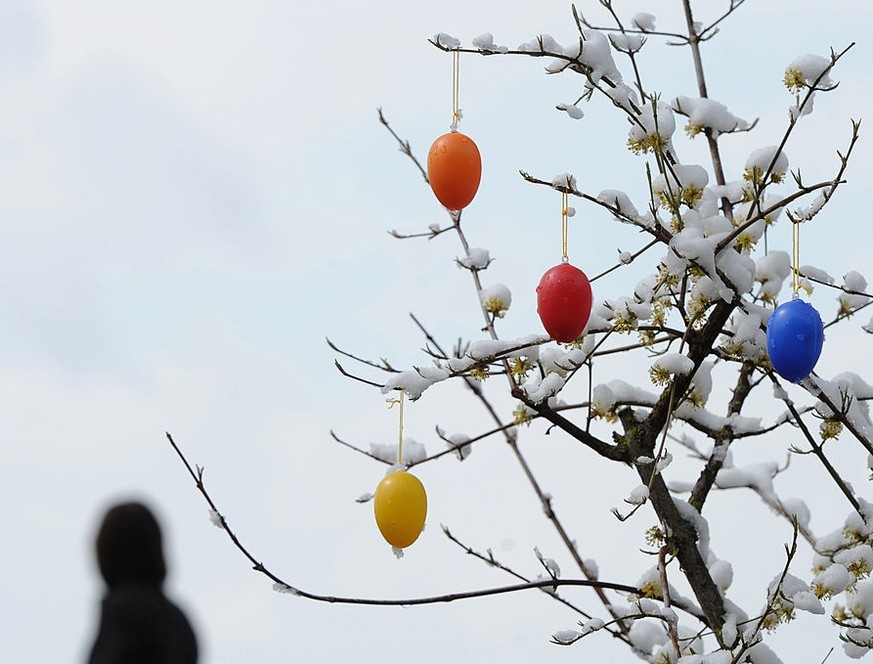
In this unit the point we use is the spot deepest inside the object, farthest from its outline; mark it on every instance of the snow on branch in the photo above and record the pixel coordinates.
(708, 115)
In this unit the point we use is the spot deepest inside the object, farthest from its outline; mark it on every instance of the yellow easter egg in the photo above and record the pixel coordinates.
(400, 505)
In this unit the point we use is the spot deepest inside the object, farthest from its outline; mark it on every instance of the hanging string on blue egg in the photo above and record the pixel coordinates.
(795, 333)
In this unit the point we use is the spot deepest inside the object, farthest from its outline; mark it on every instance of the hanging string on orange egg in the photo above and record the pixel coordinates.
(456, 89)
(564, 292)
(454, 165)
(795, 333)
(400, 501)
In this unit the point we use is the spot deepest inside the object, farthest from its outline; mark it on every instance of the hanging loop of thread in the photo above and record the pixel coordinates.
(456, 89)
(565, 213)
(391, 404)
(795, 257)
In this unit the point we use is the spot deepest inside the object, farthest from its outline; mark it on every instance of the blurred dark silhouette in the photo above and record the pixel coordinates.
(138, 624)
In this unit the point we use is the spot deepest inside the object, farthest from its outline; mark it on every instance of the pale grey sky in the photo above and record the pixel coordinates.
(194, 194)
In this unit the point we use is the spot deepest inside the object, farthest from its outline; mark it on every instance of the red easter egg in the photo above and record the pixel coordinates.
(564, 302)
(454, 169)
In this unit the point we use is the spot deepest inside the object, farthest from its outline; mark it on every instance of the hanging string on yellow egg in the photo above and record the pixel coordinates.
(400, 502)
(391, 404)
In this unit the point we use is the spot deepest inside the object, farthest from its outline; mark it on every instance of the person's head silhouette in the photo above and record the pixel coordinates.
(130, 546)
(138, 624)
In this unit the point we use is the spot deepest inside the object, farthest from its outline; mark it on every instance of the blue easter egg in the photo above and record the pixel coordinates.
(795, 335)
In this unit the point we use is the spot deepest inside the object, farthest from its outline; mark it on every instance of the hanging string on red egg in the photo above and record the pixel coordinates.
(564, 292)
(795, 333)
(565, 212)
(454, 165)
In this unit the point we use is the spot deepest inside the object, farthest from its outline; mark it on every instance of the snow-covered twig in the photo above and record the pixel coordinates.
(655, 230)
(629, 52)
(754, 636)
(434, 230)
(803, 190)
(355, 377)
(544, 499)
(631, 31)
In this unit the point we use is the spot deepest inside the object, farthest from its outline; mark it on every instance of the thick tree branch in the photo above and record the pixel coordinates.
(715, 155)
(611, 452)
(641, 440)
(722, 443)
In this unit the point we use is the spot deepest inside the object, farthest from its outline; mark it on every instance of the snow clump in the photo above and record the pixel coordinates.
(415, 381)
(652, 132)
(807, 71)
(849, 302)
(443, 39)
(627, 43)
(476, 258)
(644, 21)
(485, 43)
(709, 114)
(413, 452)
(572, 110)
(771, 271)
(496, 299)
(684, 183)
(764, 159)
(458, 443)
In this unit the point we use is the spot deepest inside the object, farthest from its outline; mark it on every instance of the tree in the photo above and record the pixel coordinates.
(698, 321)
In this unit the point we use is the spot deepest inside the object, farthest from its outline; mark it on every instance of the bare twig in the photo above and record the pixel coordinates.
(382, 364)
(404, 146)
(430, 233)
(282, 586)
(493, 562)
(347, 374)
(357, 449)
(621, 264)
(709, 31)
(631, 31)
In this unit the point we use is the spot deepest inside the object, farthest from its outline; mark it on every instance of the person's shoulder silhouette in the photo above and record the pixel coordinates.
(138, 624)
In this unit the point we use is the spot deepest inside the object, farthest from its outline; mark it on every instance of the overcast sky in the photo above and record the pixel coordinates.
(194, 194)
